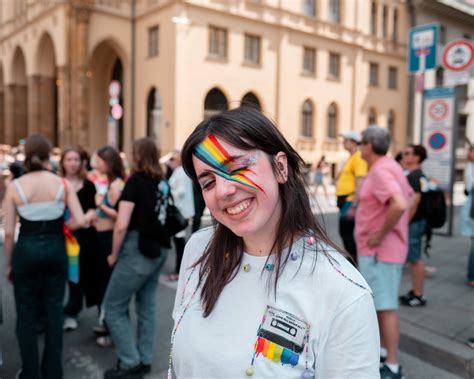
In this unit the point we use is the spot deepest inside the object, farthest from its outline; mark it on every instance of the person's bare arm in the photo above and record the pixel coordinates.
(120, 229)
(355, 200)
(398, 205)
(414, 203)
(9, 220)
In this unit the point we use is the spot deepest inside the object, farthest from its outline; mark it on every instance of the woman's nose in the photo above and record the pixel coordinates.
(225, 187)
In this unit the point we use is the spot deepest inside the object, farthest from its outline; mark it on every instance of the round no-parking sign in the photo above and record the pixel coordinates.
(437, 140)
(438, 110)
(458, 55)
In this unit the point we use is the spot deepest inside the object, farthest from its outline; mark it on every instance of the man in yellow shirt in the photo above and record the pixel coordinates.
(348, 185)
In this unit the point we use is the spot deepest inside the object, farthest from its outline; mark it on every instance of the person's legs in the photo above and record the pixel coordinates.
(74, 304)
(146, 309)
(346, 230)
(470, 266)
(179, 244)
(418, 277)
(390, 333)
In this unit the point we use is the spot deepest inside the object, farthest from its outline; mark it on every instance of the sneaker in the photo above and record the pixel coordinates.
(104, 341)
(386, 373)
(18, 373)
(124, 373)
(411, 300)
(70, 323)
(470, 342)
(99, 330)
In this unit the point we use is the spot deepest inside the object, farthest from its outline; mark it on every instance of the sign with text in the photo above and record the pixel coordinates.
(422, 43)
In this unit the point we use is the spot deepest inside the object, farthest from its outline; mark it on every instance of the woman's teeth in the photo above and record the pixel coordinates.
(239, 208)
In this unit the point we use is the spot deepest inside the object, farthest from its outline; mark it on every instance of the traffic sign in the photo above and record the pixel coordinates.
(437, 140)
(438, 110)
(114, 88)
(422, 42)
(458, 55)
(116, 111)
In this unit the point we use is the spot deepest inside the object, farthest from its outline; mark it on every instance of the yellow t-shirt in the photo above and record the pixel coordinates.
(355, 167)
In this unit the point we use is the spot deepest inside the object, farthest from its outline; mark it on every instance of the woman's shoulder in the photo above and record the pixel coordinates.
(197, 244)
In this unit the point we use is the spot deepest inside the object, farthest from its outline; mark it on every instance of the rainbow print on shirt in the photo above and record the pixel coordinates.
(212, 153)
(72, 250)
(275, 353)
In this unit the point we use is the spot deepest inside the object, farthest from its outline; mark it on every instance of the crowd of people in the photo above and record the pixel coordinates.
(265, 264)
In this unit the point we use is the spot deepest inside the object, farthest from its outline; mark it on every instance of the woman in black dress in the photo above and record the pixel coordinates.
(72, 169)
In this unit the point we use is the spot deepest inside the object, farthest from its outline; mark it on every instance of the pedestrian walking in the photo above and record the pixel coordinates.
(136, 272)
(108, 163)
(348, 186)
(37, 263)
(413, 156)
(181, 188)
(320, 173)
(253, 287)
(72, 168)
(467, 213)
(382, 238)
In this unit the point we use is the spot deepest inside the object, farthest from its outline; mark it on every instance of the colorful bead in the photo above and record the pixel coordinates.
(294, 256)
(247, 268)
(249, 371)
(269, 266)
(311, 241)
(306, 374)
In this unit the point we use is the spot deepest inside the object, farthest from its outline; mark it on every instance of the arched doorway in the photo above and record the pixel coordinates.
(106, 66)
(16, 121)
(43, 107)
(250, 99)
(215, 102)
(153, 114)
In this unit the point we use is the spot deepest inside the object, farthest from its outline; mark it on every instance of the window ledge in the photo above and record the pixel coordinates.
(251, 64)
(308, 74)
(333, 78)
(217, 58)
(302, 138)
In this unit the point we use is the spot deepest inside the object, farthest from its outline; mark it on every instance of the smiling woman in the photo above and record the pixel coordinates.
(265, 281)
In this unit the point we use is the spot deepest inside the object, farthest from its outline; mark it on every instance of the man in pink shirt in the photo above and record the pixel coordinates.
(382, 238)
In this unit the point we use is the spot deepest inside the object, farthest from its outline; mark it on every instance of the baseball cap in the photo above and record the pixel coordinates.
(351, 135)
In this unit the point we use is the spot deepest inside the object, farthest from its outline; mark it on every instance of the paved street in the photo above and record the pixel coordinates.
(85, 360)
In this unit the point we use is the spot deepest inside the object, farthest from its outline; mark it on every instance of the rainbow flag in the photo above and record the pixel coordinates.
(72, 251)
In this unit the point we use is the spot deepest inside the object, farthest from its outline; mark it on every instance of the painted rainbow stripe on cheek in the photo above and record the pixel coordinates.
(276, 353)
(212, 153)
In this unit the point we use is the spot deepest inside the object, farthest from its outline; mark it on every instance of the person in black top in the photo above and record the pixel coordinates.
(135, 273)
(71, 167)
(413, 156)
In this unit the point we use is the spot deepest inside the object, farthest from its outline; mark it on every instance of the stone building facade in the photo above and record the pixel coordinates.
(317, 67)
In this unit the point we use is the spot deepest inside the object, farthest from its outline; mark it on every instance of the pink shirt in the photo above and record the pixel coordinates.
(384, 179)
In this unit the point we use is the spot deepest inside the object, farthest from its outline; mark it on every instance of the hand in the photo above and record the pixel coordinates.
(112, 260)
(374, 239)
(351, 213)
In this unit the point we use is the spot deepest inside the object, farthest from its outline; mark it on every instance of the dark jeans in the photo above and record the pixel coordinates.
(179, 243)
(75, 300)
(103, 270)
(199, 206)
(346, 230)
(39, 272)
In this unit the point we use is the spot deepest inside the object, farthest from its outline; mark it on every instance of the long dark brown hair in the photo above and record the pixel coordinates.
(114, 163)
(37, 150)
(79, 151)
(146, 158)
(247, 128)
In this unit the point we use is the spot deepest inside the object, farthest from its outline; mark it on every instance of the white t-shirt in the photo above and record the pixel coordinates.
(343, 330)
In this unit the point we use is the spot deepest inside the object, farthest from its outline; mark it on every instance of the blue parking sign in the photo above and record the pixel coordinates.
(422, 43)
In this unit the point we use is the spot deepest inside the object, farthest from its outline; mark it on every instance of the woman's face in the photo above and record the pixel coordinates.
(470, 155)
(241, 191)
(72, 163)
(101, 165)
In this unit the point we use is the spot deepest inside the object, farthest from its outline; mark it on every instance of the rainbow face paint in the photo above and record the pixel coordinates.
(212, 153)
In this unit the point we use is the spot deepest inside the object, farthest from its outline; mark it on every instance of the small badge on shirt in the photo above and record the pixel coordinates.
(282, 336)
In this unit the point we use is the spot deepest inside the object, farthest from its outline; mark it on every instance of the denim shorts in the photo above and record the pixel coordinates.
(416, 231)
(384, 280)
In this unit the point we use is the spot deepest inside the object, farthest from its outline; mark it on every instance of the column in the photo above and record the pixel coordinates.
(9, 131)
(47, 113)
(34, 104)
(64, 106)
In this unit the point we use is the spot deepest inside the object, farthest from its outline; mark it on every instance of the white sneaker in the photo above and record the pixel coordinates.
(17, 376)
(70, 323)
(104, 341)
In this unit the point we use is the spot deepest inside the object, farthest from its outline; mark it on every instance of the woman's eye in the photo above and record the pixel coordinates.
(207, 185)
(238, 170)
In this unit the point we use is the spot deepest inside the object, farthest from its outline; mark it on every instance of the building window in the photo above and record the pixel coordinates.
(373, 18)
(374, 74)
(214, 103)
(307, 119)
(391, 123)
(395, 26)
(250, 100)
(309, 60)
(442, 35)
(252, 48)
(153, 41)
(392, 77)
(218, 41)
(384, 21)
(334, 63)
(467, 36)
(439, 76)
(332, 121)
(335, 11)
(309, 7)
(372, 119)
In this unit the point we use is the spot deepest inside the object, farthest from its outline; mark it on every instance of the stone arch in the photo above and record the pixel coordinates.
(16, 96)
(215, 102)
(332, 121)
(307, 119)
(43, 92)
(106, 64)
(153, 113)
(250, 99)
